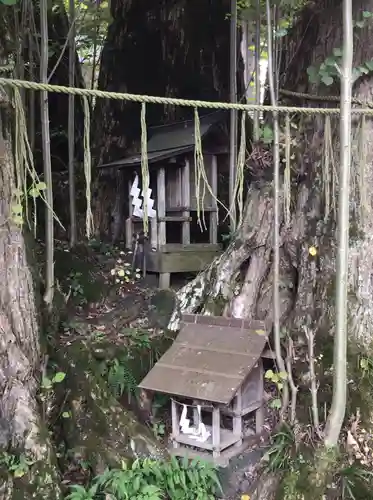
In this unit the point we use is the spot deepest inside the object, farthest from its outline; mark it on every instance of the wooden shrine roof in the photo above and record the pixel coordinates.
(210, 358)
(168, 141)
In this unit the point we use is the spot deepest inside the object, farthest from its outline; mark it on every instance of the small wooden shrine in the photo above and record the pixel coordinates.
(172, 194)
(214, 371)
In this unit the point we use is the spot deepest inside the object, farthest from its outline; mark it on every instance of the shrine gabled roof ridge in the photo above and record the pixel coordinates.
(170, 140)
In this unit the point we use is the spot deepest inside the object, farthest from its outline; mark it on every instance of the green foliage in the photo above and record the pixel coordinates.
(329, 70)
(153, 480)
(77, 278)
(16, 466)
(280, 455)
(76, 286)
(119, 376)
(266, 134)
(80, 493)
(20, 198)
(308, 474)
(92, 20)
(354, 482)
(288, 8)
(159, 429)
(104, 248)
(48, 383)
(278, 379)
(360, 376)
(119, 372)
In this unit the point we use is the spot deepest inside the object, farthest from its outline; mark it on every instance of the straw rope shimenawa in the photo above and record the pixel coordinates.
(200, 174)
(174, 101)
(322, 98)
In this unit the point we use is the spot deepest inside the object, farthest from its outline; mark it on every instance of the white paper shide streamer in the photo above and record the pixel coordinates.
(137, 202)
(198, 432)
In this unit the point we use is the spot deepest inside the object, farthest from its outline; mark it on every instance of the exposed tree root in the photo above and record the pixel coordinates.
(239, 282)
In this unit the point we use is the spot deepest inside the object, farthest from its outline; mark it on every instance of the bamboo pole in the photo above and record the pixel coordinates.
(338, 408)
(71, 126)
(276, 197)
(233, 113)
(49, 228)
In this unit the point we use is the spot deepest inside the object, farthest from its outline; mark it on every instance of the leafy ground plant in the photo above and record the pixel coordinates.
(16, 466)
(119, 376)
(152, 480)
(301, 464)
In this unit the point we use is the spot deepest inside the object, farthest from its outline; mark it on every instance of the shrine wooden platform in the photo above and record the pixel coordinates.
(179, 258)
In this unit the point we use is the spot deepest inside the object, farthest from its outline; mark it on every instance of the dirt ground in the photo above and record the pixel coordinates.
(110, 303)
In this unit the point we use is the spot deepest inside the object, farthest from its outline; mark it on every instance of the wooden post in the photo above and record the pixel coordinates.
(214, 189)
(179, 188)
(175, 424)
(154, 232)
(185, 190)
(164, 278)
(153, 223)
(215, 432)
(237, 417)
(195, 416)
(129, 223)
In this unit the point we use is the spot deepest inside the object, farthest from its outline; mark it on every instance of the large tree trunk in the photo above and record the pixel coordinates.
(102, 428)
(156, 48)
(99, 428)
(22, 430)
(240, 281)
(307, 282)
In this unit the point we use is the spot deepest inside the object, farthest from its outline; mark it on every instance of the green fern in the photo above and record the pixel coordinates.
(80, 493)
(119, 377)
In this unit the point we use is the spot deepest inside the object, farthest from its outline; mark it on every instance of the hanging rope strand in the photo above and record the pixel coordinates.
(287, 173)
(240, 172)
(198, 167)
(326, 167)
(144, 167)
(364, 204)
(87, 168)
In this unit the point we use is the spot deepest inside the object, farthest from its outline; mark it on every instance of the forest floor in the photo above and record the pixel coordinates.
(125, 318)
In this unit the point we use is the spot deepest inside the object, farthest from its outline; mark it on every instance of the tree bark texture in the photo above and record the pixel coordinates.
(318, 42)
(156, 49)
(22, 429)
(239, 283)
(100, 429)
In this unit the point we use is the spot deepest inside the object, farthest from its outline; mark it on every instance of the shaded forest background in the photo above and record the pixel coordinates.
(65, 416)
